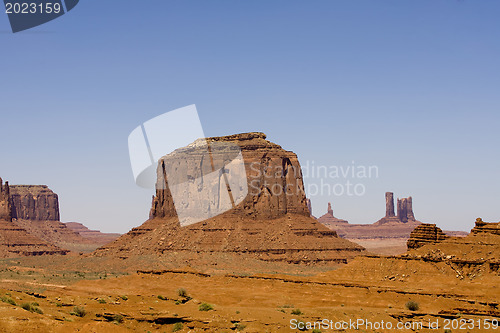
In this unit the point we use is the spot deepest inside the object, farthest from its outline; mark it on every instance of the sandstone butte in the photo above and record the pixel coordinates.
(31, 224)
(14, 239)
(270, 225)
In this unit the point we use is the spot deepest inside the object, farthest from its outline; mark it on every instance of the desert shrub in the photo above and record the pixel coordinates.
(296, 312)
(102, 301)
(163, 298)
(412, 305)
(177, 327)
(447, 331)
(32, 307)
(118, 318)
(124, 297)
(316, 330)
(79, 311)
(8, 300)
(205, 307)
(239, 326)
(182, 292)
(287, 306)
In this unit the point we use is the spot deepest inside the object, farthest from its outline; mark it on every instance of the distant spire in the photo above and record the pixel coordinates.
(330, 210)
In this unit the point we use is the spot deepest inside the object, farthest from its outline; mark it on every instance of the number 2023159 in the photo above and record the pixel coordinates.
(32, 8)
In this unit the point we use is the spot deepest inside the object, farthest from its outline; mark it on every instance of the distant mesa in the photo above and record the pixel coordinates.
(29, 224)
(14, 239)
(272, 223)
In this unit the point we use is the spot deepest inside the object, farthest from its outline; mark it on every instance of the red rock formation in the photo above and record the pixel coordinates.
(15, 240)
(486, 227)
(331, 221)
(389, 204)
(34, 202)
(93, 235)
(272, 222)
(5, 204)
(425, 234)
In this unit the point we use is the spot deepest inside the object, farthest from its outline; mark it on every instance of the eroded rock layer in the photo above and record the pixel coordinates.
(272, 222)
(425, 234)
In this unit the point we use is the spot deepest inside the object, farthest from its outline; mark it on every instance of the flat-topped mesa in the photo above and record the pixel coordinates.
(34, 202)
(425, 234)
(267, 219)
(273, 176)
(5, 204)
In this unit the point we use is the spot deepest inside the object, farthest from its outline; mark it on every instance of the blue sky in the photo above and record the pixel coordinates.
(408, 86)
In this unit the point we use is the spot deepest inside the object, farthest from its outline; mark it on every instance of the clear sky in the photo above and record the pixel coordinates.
(411, 87)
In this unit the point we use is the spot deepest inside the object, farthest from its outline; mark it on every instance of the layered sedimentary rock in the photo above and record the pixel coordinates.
(425, 233)
(330, 220)
(34, 202)
(389, 204)
(271, 222)
(486, 227)
(93, 235)
(15, 240)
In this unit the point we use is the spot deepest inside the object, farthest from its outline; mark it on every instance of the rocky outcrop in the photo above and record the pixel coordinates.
(486, 227)
(5, 204)
(15, 240)
(404, 210)
(275, 185)
(425, 234)
(34, 202)
(272, 222)
(330, 221)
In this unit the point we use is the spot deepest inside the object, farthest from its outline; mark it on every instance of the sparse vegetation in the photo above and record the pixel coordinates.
(182, 292)
(32, 307)
(239, 326)
(8, 300)
(316, 330)
(78, 311)
(412, 305)
(124, 297)
(177, 327)
(118, 318)
(163, 298)
(102, 301)
(297, 312)
(287, 306)
(447, 331)
(205, 307)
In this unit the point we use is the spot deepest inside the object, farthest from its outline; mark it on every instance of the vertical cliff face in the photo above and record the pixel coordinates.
(5, 203)
(274, 177)
(389, 204)
(405, 210)
(34, 202)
